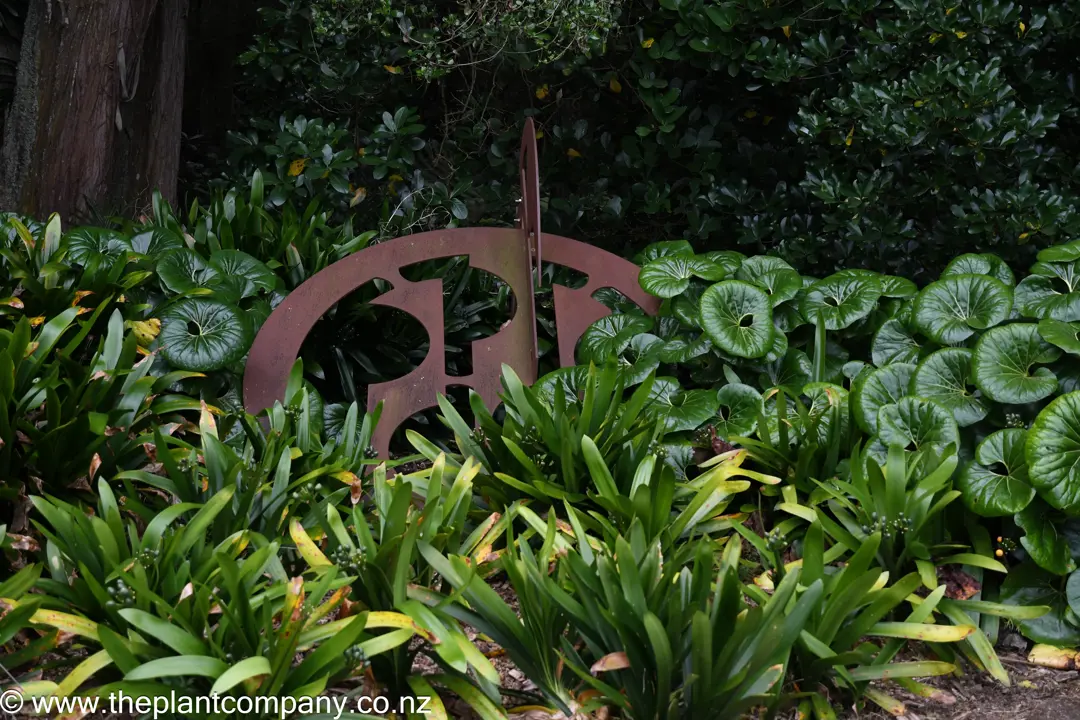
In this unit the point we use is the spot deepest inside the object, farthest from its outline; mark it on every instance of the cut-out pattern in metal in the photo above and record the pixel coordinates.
(512, 254)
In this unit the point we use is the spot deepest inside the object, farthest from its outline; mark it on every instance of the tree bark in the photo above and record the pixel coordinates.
(95, 124)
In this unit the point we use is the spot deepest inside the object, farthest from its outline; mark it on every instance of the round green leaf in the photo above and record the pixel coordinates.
(841, 299)
(875, 390)
(997, 484)
(915, 423)
(786, 316)
(944, 377)
(681, 350)
(980, 264)
(1042, 297)
(951, 309)
(897, 287)
(156, 241)
(609, 336)
(740, 406)
(1044, 538)
(669, 276)
(791, 373)
(737, 317)
(640, 358)
(1053, 453)
(1067, 252)
(184, 270)
(894, 344)
(1061, 334)
(772, 275)
(686, 410)
(245, 272)
(730, 260)
(758, 265)
(570, 379)
(202, 334)
(1003, 362)
(665, 248)
(95, 246)
(1027, 585)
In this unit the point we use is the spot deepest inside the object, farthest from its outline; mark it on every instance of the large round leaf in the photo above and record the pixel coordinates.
(790, 373)
(609, 336)
(758, 265)
(980, 264)
(740, 406)
(570, 379)
(669, 276)
(1028, 585)
(244, 272)
(184, 270)
(1067, 252)
(665, 248)
(1004, 358)
(737, 317)
(786, 316)
(915, 423)
(202, 334)
(681, 350)
(1053, 453)
(1042, 297)
(640, 358)
(772, 275)
(686, 410)
(945, 377)
(997, 484)
(841, 299)
(894, 344)
(1045, 538)
(881, 387)
(953, 308)
(156, 241)
(1061, 334)
(893, 286)
(95, 246)
(730, 260)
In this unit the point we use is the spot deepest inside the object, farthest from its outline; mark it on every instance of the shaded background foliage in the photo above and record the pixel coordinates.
(886, 135)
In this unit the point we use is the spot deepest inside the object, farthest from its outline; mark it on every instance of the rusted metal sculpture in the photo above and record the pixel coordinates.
(512, 254)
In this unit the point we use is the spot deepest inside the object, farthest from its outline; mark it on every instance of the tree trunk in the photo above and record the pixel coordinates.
(95, 124)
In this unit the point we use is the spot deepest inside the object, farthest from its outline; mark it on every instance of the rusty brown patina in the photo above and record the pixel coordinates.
(512, 254)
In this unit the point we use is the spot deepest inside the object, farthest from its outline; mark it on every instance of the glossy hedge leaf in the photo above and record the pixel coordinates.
(997, 483)
(841, 299)
(202, 334)
(1038, 297)
(1061, 334)
(944, 377)
(95, 246)
(185, 270)
(245, 272)
(881, 387)
(1053, 453)
(156, 241)
(915, 423)
(894, 344)
(1028, 585)
(737, 317)
(980, 264)
(669, 276)
(610, 336)
(1003, 363)
(951, 309)
(1044, 539)
(665, 248)
(740, 406)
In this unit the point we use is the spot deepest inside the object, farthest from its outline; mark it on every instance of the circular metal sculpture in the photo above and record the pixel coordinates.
(512, 254)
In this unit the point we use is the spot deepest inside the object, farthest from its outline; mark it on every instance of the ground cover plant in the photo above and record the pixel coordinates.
(812, 491)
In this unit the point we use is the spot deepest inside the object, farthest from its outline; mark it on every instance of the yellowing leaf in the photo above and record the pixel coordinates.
(648, 43)
(611, 661)
(572, 153)
(79, 295)
(920, 103)
(1023, 27)
(850, 136)
(146, 330)
(950, 11)
(934, 37)
(1025, 235)
(542, 92)
(767, 119)
(358, 196)
(615, 85)
(787, 31)
(306, 546)
(35, 321)
(396, 178)
(960, 34)
(297, 166)
(13, 302)
(750, 114)
(392, 69)
(539, 134)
